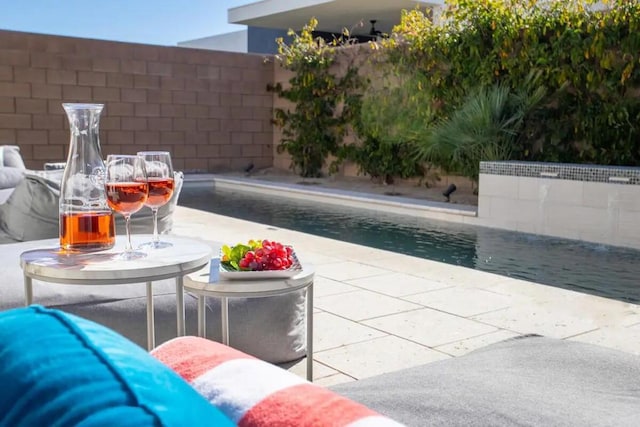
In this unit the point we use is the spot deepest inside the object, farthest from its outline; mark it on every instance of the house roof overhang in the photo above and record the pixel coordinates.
(332, 15)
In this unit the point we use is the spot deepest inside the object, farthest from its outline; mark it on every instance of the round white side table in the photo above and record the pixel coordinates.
(100, 268)
(198, 283)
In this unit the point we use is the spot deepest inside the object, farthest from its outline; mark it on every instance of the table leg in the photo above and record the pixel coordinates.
(180, 306)
(202, 317)
(224, 312)
(28, 290)
(151, 323)
(310, 332)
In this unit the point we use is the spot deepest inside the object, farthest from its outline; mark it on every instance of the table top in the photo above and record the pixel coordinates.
(99, 268)
(198, 283)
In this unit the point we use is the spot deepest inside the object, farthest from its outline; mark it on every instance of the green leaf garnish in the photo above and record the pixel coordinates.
(231, 255)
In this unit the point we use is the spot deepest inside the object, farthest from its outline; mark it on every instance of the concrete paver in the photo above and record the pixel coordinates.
(362, 305)
(619, 337)
(429, 327)
(529, 319)
(323, 287)
(347, 270)
(378, 311)
(460, 348)
(397, 284)
(332, 331)
(378, 356)
(462, 301)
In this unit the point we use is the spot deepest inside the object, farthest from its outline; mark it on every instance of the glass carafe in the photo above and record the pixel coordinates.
(86, 221)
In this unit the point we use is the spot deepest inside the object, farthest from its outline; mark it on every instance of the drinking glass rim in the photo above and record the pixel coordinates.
(123, 156)
(141, 153)
(82, 105)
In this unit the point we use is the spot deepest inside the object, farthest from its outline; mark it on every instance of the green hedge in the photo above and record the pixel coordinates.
(491, 79)
(588, 61)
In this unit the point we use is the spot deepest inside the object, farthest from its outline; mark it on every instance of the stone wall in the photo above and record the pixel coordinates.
(210, 109)
(583, 202)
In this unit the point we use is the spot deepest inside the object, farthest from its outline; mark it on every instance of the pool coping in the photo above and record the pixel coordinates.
(393, 204)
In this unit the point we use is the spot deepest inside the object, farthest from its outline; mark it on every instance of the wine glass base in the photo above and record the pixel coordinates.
(129, 256)
(155, 245)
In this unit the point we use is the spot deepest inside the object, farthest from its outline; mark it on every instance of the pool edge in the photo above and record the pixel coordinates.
(391, 204)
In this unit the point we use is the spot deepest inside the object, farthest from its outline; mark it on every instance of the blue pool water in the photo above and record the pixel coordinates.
(601, 270)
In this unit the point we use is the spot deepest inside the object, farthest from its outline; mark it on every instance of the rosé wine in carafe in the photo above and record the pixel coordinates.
(86, 221)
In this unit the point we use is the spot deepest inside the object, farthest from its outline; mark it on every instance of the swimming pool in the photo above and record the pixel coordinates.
(606, 271)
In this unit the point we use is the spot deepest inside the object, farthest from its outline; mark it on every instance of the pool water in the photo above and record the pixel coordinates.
(606, 271)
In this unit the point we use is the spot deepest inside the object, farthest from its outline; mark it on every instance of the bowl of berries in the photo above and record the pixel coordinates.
(259, 259)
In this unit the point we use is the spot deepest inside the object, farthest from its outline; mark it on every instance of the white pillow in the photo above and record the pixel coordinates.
(10, 177)
(10, 156)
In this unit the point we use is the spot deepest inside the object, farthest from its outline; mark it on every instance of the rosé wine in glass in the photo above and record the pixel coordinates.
(161, 186)
(127, 191)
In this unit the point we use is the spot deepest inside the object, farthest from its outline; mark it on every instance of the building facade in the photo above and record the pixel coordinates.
(269, 19)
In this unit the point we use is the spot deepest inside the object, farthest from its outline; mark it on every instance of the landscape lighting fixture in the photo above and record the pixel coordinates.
(373, 32)
(450, 189)
(249, 168)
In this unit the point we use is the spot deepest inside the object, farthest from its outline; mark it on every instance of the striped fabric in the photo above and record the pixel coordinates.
(253, 393)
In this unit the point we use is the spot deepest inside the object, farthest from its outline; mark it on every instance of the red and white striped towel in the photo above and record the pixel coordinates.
(253, 393)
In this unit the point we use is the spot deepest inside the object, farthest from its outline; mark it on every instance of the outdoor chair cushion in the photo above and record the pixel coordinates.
(10, 177)
(532, 381)
(11, 168)
(31, 212)
(253, 393)
(10, 157)
(59, 369)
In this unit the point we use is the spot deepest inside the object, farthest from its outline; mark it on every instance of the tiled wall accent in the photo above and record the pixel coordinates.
(210, 109)
(573, 172)
(595, 211)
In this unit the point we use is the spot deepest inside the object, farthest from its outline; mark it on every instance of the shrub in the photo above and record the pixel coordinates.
(586, 58)
(487, 126)
(393, 115)
(322, 100)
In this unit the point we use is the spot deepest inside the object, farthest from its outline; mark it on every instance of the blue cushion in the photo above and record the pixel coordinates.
(59, 369)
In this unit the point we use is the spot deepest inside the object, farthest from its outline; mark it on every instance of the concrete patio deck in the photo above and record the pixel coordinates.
(378, 311)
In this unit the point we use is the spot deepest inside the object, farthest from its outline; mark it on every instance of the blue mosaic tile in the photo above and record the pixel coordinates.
(573, 172)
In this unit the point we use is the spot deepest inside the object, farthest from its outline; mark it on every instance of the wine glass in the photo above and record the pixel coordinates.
(127, 191)
(161, 185)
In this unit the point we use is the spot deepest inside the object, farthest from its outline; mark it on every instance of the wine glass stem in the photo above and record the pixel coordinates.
(156, 237)
(127, 223)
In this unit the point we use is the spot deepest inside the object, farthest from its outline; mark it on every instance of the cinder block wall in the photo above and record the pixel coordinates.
(282, 160)
(210, 109)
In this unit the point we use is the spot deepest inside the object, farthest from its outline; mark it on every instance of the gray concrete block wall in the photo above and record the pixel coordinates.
(210, 109)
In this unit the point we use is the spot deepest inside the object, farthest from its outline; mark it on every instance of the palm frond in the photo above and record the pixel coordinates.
(485, 127)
